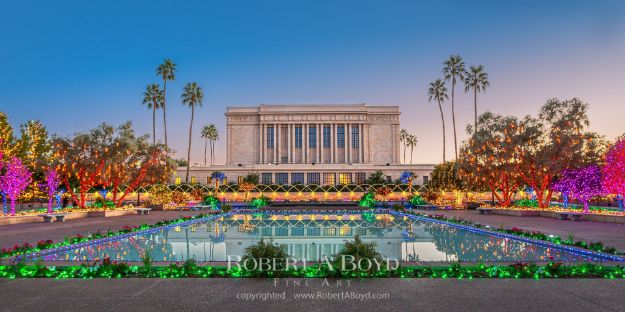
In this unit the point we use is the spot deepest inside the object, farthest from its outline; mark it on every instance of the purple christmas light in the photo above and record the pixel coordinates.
(15, 180)
(581, 183)
(52, 183)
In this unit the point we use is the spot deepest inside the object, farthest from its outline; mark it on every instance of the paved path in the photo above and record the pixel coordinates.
(225, 295)
(33, 232)
(610, 234)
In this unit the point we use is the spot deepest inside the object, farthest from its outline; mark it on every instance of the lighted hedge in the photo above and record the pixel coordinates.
(191, 269)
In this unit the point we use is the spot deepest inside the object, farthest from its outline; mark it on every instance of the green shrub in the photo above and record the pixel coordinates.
(358, 250)
(367, 200)
(264, 250)
(417, 200)
(260, 202)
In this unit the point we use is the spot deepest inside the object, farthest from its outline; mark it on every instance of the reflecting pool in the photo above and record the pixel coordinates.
(315, 236)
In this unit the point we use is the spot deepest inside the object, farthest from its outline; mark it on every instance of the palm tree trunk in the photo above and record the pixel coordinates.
(453, 116)
(404, 151)
(164, 108)
(443, 120)
(189, 149)
(212, 152)
(205, 143)
(411, 150)
(154, 123)
(475, 109)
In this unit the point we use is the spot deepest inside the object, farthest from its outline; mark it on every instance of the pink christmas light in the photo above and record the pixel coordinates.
(613, 173)
(15, 180)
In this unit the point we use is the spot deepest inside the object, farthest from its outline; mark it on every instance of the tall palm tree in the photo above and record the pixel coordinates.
(454, 69)
(205, 135)
(412, 142)
(476, 80)
(167, 71)
(403, 135)
(153, 98)
(192, 96)
(438, 92)
(213, 136)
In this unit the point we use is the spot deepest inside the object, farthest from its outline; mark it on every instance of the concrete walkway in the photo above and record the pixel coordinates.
(610, 234)
(228, 295)
(33, 232)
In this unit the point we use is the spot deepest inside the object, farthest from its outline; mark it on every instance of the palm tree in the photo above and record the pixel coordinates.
(205, 134)
(477, 80)
(412, 142)
(454, 69)
(403, 135)
(192, 96)
(213, 136)
(167, 71)
(153, 98)
(438, 92)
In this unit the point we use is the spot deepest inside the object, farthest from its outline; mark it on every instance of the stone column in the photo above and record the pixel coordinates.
(319, 149)
(304, 143)
(333, 142)
(264, 143)
(348, 143)
(293, 143)
(288, 143)
(278, 143)
(361, 136)
(260, 143)
(365, 143)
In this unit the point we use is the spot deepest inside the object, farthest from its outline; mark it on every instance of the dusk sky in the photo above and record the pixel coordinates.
(75, 64)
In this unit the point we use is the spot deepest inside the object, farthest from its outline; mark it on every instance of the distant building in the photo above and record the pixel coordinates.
(311, 144)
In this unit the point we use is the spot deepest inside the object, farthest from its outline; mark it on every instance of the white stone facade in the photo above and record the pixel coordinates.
(348, 141)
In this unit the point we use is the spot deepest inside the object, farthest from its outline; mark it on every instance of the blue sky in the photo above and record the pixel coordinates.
(75, 64)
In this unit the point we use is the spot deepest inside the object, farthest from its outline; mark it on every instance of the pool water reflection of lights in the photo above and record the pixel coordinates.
(314, 236)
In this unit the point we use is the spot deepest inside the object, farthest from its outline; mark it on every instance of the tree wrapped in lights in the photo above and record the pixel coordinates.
(488, 159)
(406, 178)
(79, 162)
(52, 183)
(555, 142)
(613, 172)
(32, 148)
(383, 192)
(445, 177)
(582, 184)
(218, 177)
(15, 180)
(7, 141)
(111, 158)
(131, 161)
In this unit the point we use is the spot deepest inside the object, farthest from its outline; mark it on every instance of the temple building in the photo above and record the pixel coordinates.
(311, 144)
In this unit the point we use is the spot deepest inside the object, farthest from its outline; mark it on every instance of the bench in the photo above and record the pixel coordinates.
(47, 218)
(485, 211)
(143, 211)
(570, 216)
